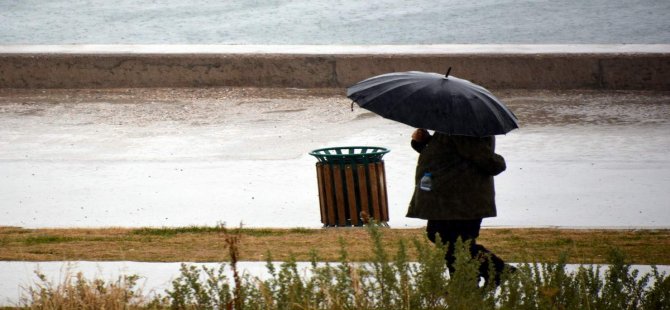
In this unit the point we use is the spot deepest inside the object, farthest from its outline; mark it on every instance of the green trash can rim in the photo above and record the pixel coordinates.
(362, 154)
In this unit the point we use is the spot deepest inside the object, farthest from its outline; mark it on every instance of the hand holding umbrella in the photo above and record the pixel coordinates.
(421, 135)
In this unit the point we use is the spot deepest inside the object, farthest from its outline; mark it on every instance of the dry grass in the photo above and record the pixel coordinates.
(202, 244)
(78, 292)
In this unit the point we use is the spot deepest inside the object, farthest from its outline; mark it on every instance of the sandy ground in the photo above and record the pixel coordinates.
(168, 157)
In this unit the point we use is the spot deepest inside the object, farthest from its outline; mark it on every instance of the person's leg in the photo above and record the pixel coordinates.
(449, 232)
(448, 236)
(469, 231)
(488, 259)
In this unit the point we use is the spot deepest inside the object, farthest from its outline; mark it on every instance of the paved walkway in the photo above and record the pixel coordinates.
(168, 157)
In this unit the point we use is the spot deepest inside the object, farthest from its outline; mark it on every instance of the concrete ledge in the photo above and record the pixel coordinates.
(494, 66)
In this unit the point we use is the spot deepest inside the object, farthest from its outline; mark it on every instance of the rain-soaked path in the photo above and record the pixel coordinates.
(166, 157)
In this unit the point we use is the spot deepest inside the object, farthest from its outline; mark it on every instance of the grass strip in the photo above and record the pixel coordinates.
(206, 244)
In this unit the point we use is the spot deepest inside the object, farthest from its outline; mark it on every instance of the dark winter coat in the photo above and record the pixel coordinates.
(462, 171)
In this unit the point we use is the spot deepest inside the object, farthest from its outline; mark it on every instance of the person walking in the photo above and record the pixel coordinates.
(460, 192)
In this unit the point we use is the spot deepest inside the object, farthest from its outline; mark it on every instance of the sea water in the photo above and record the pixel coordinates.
(334, 22)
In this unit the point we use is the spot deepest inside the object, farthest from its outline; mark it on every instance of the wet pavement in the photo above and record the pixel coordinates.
(173, 157)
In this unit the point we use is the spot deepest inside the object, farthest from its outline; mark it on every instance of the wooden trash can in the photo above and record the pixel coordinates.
(352, 185)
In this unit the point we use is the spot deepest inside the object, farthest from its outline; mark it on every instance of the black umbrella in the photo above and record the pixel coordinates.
(434, 101)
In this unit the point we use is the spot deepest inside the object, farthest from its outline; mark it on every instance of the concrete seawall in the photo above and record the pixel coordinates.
(638, 67)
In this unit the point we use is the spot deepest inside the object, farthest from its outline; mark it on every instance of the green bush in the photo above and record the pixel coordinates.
(392, 282)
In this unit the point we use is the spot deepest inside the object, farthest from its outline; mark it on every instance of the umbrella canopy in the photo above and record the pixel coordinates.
(434, 101)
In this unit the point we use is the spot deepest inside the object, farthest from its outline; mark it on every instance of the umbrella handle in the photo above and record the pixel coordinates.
(352, 106)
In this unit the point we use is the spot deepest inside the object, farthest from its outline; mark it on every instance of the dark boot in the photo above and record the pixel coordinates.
(488, 260)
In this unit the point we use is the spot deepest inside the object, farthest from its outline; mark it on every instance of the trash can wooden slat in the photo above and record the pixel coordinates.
(322, 194)
(330, 199)
(381, 173)
(374, 191)
(351, 194)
